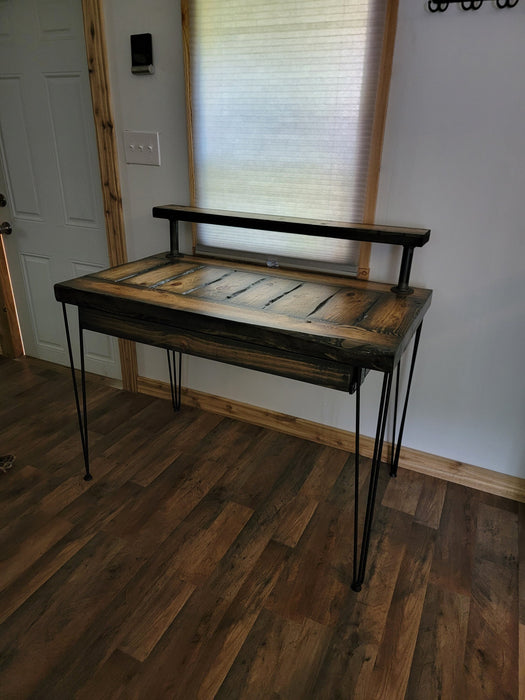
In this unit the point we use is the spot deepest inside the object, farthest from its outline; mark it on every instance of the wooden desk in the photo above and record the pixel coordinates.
(322, 329)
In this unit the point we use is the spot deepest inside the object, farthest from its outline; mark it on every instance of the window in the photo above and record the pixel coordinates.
(282, 102)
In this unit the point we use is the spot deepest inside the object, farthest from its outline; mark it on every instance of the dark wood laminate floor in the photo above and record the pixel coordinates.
(211, 558)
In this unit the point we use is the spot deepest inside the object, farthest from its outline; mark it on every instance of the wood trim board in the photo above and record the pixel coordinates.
(10, 334)
(108, 161)
(378, 131)
(444, 468)
(185, 13)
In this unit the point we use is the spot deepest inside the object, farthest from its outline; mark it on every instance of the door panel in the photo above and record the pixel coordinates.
(17, 152)
(48, 147)
(76, 171)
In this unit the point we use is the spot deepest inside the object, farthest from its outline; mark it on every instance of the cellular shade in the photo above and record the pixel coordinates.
(282, 98)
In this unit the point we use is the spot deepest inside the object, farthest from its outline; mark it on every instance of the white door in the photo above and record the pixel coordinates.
(49, 157)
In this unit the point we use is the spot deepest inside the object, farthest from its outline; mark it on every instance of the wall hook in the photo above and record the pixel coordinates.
(442, 5)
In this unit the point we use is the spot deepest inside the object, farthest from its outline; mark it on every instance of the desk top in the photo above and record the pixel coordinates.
(304, 325)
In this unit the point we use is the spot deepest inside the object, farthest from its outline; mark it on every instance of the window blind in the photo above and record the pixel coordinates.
(282, 97)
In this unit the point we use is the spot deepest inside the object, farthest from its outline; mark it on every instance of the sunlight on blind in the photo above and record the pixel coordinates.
(283, 98)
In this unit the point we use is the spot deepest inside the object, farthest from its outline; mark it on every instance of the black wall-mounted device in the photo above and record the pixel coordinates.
(141, 54)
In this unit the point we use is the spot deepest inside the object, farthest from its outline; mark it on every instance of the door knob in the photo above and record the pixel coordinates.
(6, 228)
(3, 200)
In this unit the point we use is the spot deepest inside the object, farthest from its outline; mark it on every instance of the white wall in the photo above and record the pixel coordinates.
(454, 159)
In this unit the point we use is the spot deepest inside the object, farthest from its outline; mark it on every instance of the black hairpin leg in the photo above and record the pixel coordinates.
(396, 446)
(359, 572)
(175, 381)
(356, 473)
(394, 421)
(81, 413)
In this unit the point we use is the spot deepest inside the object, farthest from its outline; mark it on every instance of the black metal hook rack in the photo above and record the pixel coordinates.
(442, 5)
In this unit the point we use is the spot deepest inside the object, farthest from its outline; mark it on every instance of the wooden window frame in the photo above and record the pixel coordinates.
(378, 127)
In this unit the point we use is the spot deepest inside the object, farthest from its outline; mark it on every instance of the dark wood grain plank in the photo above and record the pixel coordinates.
(431, 500)
(121, 272)
(14, 559)
(161, 275)
(104, 419)
(19, 493)
(280, 658)
(189, 429)
(269, 468)
(155, 611)
(437, 666)
(27, 656)
(270, 447)
(168, 502)
(294, 520)
(217, 657)
(110, 679)
(229, 287)
(454, 548)
(303, 299)
(200, 553)
(353, 646)
(346, 307)
(404, 493)
(159, 571)
(267, 292)
(489, 670)
(491, 655)
(176, 657)
(40, 570)
(316, 580)
(195, 280)
(392, 316)
(394, 658)
(327, 468)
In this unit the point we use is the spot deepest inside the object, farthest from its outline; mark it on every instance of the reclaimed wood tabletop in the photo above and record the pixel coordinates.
(309, 326)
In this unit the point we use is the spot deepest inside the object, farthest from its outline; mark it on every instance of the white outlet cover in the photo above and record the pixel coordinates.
(142, 147)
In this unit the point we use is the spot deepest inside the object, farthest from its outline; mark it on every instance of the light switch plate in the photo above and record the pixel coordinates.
(142, 147)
